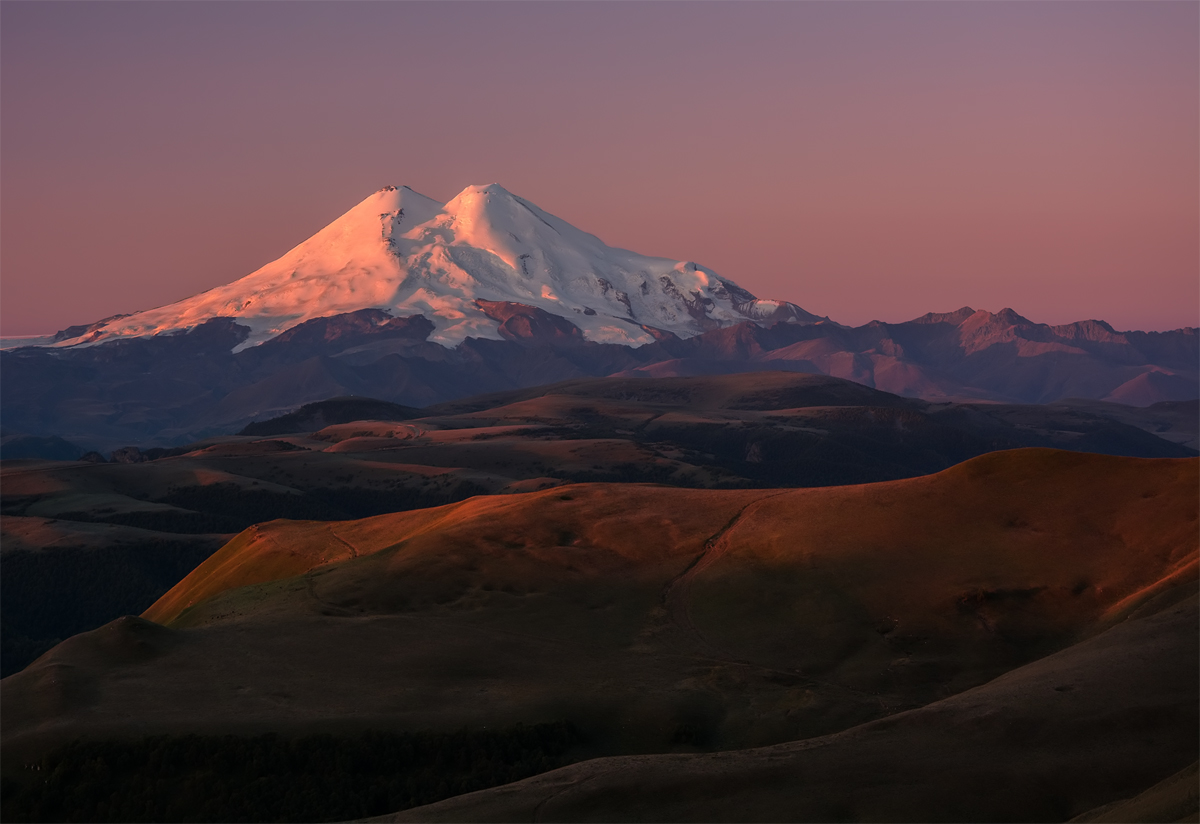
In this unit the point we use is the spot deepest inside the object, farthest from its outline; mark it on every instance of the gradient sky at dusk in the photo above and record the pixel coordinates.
(864, 160)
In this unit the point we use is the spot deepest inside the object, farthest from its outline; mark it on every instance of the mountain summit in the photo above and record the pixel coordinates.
(407, 254)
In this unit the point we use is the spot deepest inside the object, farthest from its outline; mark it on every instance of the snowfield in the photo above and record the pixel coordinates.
(408, 254)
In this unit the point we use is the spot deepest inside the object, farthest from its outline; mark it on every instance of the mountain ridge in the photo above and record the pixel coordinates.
(165, 390)
(407, 254)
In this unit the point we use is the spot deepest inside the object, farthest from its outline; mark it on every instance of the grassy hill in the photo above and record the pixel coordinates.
(656, 619)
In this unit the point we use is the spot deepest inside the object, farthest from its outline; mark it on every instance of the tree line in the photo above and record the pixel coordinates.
(324, 777)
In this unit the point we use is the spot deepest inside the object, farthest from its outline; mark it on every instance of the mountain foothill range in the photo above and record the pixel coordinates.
(456, 513)
(415, 302)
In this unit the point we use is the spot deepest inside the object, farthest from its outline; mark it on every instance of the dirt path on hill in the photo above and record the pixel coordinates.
(676, 600)
(353, 549)
(675, 594)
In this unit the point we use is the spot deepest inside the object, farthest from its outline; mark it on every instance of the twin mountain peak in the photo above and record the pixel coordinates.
(463, 265)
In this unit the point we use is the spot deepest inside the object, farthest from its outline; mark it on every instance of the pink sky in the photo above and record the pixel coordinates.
(864, 160)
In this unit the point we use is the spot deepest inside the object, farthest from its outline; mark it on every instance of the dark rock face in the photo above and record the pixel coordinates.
(83, 330)
(352, 328)
(521, 322)
(172, 389)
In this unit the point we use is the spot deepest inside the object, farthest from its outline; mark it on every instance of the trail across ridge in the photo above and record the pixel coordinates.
(675, 595)
(676, 601)
(353, 549)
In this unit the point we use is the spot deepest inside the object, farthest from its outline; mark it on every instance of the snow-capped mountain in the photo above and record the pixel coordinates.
(408, 254)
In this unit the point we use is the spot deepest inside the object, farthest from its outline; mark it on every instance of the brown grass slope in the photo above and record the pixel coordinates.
(780, 390)
(655, 618)
(1174, 799)
(1099, 720)
(284, 549)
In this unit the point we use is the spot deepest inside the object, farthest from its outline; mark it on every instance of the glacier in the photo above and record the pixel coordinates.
(407, 254)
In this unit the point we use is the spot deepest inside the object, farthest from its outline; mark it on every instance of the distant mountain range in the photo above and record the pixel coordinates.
(416, 302)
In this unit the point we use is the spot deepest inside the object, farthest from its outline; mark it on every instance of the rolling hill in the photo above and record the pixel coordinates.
(322, 462)
(932, 616)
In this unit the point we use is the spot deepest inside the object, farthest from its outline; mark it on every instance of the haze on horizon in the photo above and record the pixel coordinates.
(865, 161)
